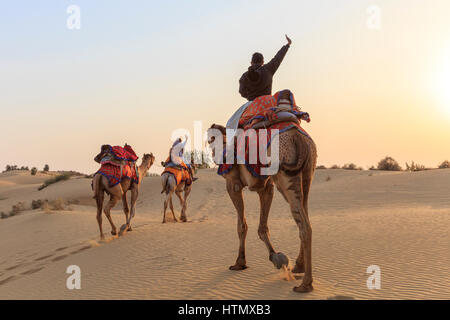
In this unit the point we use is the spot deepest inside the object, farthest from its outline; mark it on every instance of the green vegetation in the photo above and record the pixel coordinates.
(55, 179)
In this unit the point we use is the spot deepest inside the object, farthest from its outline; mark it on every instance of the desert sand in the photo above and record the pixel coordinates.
(399, 221)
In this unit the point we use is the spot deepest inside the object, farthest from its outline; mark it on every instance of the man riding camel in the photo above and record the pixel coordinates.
(257, 81)
(175, 158)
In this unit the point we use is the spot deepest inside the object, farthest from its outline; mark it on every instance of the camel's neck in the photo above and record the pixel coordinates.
(143, 169)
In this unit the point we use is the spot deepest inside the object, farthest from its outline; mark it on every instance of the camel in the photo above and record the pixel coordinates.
(169, 186)
(297, 162)
(100, 186)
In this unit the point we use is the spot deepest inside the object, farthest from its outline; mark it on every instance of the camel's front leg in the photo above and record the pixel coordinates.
(292, 189)
(126, 209)
(134, 197)
(234, 189)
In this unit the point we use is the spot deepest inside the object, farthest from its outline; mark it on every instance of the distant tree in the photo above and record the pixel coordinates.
(46, 168)
(33, 171)
(8, 168)
(351, 166)
(445, 165)
(388, 164)
(321, 167)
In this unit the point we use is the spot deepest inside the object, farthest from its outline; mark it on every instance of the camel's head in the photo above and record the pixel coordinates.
(148, 160)
(217, 140)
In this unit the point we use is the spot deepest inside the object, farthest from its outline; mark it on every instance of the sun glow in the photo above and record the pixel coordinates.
(443, 85)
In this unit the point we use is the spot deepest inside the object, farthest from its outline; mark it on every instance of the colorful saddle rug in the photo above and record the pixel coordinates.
(115, 174)
(180, 175)
(265, 108)
(118, 164)
(255, 168)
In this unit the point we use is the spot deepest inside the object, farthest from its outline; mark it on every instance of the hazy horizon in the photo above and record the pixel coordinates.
(135, 72)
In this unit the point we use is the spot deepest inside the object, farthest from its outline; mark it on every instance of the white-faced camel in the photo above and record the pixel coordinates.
(297, 162)
(100, 185)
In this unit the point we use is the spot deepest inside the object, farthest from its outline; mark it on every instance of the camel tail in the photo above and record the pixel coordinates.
(165, 184)
(302, 158)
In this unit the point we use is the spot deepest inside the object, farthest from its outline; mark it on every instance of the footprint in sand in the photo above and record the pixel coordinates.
(60, 257)
(7, 280)
(43, 257)
(31, 271)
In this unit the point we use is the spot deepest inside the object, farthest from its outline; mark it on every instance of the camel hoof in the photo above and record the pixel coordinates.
(304, 288)
(123, 230)
(130, 228)
(113, 232)
(279, 259)
(238, 267)
(298, 269)
(183, 219)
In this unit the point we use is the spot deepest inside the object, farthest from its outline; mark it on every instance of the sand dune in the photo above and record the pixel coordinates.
(396, 220)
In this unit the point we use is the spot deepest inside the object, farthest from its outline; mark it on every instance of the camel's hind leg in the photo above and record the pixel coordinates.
(99, 199)
(265, 200)
(166, 203)
(187, 191)
(234, 188)
(292, 189)
(116, 194)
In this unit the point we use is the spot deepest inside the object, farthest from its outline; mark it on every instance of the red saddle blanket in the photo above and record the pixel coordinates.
(115, 174)
(255, 168)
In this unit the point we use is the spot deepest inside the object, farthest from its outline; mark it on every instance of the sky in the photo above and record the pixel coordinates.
(375, 82)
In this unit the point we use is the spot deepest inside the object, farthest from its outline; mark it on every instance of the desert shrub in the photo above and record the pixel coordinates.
(37, 204)
(33, 171)
(388, 164)
(328, 178)
(3, 215)
(152, 174)
(372, 168)
(201, 159)
(17, 208)
(321, 167)
(61, 177)
(415, 167)
(444, 165)
(351, 166)
(335, 166)
(46, 168)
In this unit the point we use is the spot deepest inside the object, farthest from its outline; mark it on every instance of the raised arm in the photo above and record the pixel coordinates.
(273, 65)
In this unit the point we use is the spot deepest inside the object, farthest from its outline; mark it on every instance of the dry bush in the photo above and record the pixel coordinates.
(3, 215)
(321, 167)
(351, 166)
(17, 208)
(415, 167)
(328, 178)
(33, 171)
(37, 204)
(335, 166)
(388, 164)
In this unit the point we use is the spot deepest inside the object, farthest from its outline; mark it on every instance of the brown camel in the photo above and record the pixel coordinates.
(100, 186)
(169, 187)
(297, 162)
